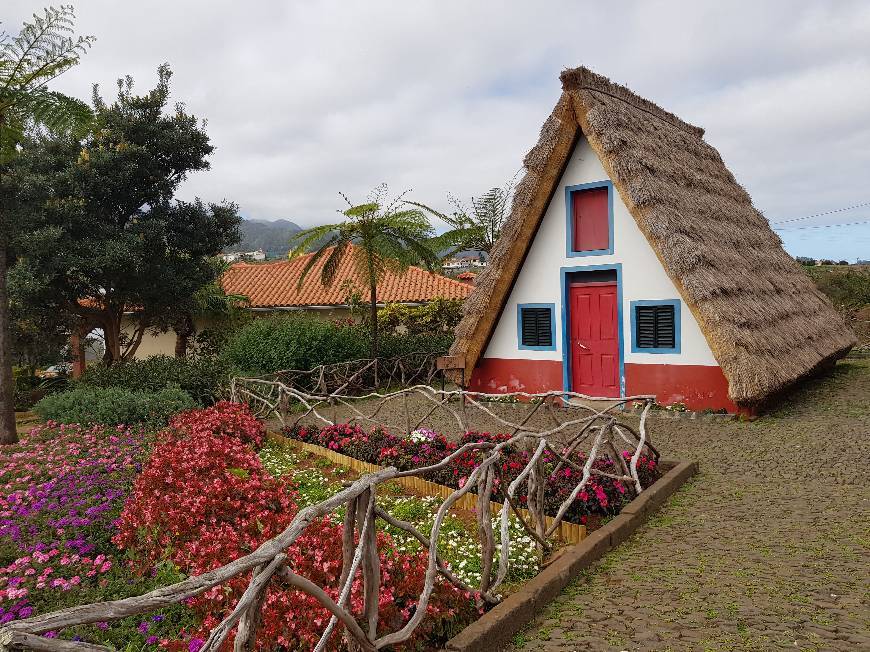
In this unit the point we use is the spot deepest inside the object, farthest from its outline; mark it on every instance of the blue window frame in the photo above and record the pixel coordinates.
(569, 218)
(536, 326)
(655, 326)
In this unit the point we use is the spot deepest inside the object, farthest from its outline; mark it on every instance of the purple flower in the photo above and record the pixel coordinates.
(143, 627)
(195, 644)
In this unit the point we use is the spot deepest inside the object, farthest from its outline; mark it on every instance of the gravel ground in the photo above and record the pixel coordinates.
(767, 548)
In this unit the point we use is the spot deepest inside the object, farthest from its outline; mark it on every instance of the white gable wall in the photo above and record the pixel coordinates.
(643, 277)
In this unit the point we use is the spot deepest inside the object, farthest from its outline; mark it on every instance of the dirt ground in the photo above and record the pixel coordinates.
(767, 548)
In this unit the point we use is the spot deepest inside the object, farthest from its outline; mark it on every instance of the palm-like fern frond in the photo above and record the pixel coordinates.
(381, 236)
(42, 50)
(474, 227)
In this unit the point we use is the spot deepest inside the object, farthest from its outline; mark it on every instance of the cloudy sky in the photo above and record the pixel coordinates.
(305, 99)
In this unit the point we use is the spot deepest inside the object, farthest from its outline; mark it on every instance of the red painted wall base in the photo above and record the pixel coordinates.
(698, 387)
(501, 376)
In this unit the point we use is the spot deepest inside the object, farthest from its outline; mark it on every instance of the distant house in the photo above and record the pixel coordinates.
(464, 262)
(273, 288)
(466, 277)
(237, 256)
(634, 263)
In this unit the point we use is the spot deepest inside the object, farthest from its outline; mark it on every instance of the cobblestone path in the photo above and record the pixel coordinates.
(767, 548)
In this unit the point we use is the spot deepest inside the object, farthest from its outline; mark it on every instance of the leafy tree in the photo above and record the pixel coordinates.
(210, 302)
(476, 226)
(386, 237)
(109, 236)
(43, 49)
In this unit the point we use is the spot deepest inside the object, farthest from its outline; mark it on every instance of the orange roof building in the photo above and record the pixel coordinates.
(275, 285)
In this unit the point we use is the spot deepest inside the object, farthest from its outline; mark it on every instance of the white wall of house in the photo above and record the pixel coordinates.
(160, 344)
(643, 277)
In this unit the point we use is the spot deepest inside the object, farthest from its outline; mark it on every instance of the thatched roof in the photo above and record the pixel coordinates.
(764, 319)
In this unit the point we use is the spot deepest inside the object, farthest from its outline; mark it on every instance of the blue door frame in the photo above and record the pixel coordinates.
(565, 272)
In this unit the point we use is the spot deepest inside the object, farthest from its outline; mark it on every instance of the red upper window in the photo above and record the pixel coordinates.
(591, 220)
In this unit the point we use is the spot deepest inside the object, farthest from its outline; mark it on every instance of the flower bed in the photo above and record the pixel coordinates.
(99, 513)
(62, 488)
(316, 479)
(602, 496)
(204, 498)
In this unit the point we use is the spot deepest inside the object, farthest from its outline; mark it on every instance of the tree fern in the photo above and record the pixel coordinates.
(43, 49)
(379, 236)
(474, 227)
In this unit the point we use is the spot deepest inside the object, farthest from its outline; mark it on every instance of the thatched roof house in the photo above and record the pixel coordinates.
(673, 210)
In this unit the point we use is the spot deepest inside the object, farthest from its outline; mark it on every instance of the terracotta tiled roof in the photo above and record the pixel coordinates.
(270, 285)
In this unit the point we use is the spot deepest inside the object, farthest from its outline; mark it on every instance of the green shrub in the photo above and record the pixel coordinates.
(29, 389)
(113, 405)
(202, 377)
(393, 345)
(438, 316)
(304, 341)
(847, 288)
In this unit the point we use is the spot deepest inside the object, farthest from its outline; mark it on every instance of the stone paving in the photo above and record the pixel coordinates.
(767, 548)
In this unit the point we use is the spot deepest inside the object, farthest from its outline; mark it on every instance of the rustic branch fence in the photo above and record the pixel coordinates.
(363, 375)
(573, 422)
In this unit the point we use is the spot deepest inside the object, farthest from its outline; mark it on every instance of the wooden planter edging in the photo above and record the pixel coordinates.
(496, 628)
(568, 532)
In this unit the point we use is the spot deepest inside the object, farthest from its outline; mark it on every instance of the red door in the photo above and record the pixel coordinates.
(594, 333)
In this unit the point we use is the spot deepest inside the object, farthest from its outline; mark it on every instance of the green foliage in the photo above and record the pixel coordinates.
(201, 377)
(114, 405)
(848, 288)
(436, 317)
(303, 341)
(380, 236)
(29, 388)
(292, 342)
(474, 227)
(42, 50)
(106, 201)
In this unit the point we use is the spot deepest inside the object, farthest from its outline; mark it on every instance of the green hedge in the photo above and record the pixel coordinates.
(202, 377)
(113, 405)
(303, 342)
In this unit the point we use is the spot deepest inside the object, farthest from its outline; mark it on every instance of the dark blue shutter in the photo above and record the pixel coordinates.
(655, 327)
(537, 327)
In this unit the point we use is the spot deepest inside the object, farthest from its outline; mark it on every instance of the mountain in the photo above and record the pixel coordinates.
(273, 237)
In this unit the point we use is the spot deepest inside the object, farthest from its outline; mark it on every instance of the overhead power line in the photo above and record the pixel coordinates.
(831, 212)
(822, 226)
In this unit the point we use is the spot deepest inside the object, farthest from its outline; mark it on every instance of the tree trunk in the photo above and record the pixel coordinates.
(111, 337)
(374, 319)
(8, 434)
(183, 330)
